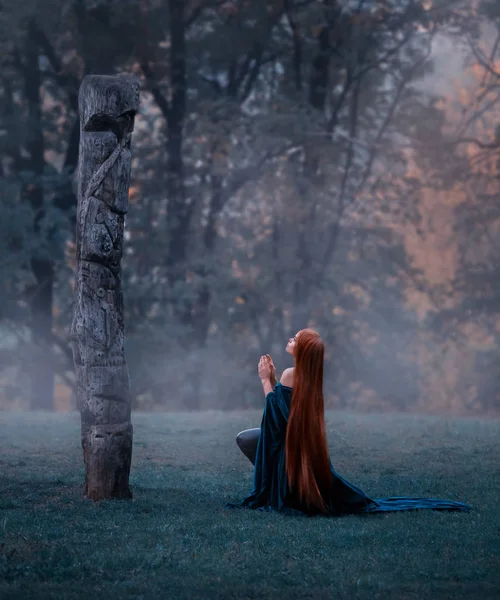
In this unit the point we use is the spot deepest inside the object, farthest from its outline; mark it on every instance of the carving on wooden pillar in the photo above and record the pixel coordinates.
(107, 106)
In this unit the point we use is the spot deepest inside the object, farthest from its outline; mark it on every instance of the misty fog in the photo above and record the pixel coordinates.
(323, 166)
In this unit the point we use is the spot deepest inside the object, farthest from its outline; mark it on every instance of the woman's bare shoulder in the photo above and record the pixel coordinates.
(287, 377)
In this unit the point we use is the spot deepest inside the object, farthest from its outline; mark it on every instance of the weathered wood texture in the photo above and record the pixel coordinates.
(107, 106)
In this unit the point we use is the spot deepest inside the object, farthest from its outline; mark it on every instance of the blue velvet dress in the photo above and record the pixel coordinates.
(270, 486)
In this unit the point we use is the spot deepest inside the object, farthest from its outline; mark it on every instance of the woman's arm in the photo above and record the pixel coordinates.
(267, 385)
(273, 380)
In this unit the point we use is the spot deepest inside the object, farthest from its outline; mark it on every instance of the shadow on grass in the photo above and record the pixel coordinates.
(53, 496)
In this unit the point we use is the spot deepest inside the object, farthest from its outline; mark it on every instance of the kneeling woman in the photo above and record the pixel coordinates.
(293, 472)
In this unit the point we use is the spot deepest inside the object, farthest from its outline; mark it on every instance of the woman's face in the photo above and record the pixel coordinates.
(290, 347)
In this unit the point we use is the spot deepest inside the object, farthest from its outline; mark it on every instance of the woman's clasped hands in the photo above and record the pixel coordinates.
(267, 370)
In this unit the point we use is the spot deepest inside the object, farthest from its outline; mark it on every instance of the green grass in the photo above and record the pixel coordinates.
(176, 540)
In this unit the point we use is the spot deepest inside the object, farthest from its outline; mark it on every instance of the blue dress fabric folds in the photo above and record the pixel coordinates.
(270, 486)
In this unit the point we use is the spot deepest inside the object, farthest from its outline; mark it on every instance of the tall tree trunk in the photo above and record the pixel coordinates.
(201, 316)
(66, 198)
(329, 39)
(42, 370)
(318, 82)
(306, 281)
(297, 45)
(107, 107)
(179, 213)
(302, 286)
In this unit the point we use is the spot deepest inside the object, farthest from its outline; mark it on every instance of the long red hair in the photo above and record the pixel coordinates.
(306, 450)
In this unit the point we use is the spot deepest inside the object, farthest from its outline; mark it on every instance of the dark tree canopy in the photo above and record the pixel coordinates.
(284, 157)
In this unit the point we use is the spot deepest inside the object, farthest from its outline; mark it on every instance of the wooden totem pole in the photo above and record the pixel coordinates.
(107, 107)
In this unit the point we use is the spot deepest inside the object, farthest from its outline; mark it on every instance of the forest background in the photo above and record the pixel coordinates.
(332, 164)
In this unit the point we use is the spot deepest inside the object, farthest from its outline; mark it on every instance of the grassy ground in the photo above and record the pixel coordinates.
(176, 540)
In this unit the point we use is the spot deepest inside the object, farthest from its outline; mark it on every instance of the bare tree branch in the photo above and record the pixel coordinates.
(158, 95)
(482, 59)
(390, 114)
(200, 9)
(334, 235)
(470, 140)
(69, 82)
(297, 45)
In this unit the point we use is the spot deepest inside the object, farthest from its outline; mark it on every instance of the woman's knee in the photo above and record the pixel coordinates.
(247, 437)
(242, 438)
